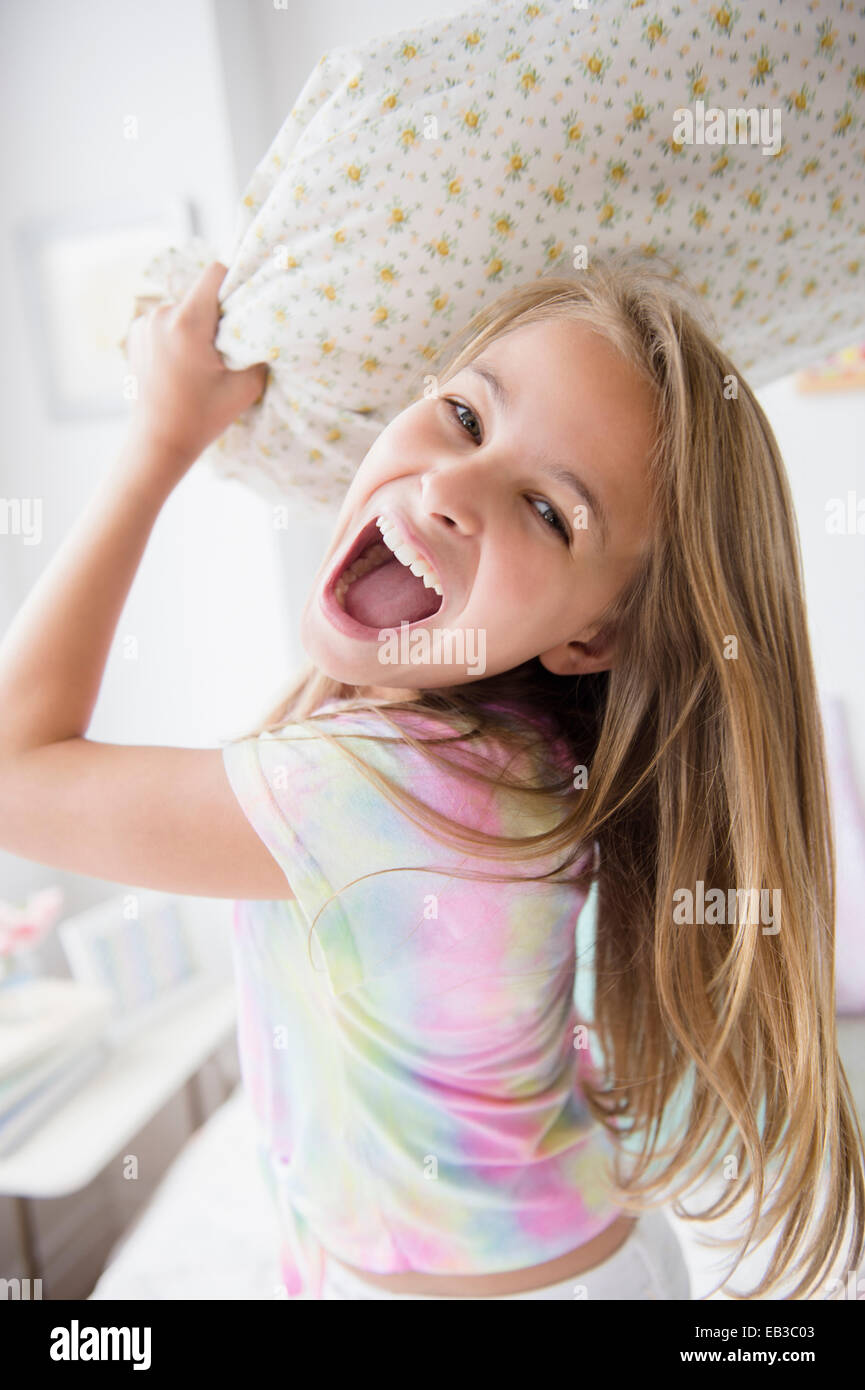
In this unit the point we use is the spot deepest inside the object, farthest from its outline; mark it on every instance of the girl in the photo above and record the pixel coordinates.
(558, 644)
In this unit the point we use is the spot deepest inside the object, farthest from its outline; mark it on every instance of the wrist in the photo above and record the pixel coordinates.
(154, 459)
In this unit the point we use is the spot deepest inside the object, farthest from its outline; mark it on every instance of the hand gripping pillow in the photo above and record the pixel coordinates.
(420, 174)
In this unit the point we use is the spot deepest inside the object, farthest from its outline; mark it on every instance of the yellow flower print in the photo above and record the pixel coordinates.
(472, 40)
(408, 52)
(722, 20)
(439, 302)
(700, 217)
(328, 345)
(273, 354)
(754, 198)
(453, 184)
(573, 130)
(738, 297)
(827, 37)
(249, 201)
(837, 203)
(845, 120)
(280, 315)
(616, 171)
(408, 137)
(386, 274)
(798, 102)
(370, 365)
(660, 195)
(558, 195)
(389, 102)
(719, 165)
(353, 84)
(333, 435)
(698, 82)
(355, 173)
(607, 212)
(764, 66)
(516, 163)
(380, 315)
(529, 81)
(473, 119)
(596, 65)
(787, 231)
(639, 112)
(501, 224)
(810, 166)
(809, 287)
(299, 192)
(857, 80)
(398, 216)
(443, 247)
(514, 56)
(339, 237)
(653, 31)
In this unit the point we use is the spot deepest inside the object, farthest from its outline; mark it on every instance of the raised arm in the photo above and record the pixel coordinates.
(153, 817)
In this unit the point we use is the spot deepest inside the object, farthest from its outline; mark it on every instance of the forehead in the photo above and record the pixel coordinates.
(568, 392)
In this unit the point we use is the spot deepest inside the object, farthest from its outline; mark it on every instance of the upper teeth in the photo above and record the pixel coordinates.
(406, 553)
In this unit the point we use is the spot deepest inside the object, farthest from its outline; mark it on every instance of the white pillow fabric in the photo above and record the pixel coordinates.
(420, 174)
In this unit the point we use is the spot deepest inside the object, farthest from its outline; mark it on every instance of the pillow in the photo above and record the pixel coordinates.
(419, 175)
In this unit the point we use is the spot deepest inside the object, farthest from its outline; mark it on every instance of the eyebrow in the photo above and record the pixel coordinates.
(560, 472)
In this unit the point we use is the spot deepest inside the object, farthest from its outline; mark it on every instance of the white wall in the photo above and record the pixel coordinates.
(822, 442)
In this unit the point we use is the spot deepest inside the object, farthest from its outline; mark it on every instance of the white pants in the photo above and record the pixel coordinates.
(650, 1265)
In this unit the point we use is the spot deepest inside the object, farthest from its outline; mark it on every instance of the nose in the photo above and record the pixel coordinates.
(454, 494)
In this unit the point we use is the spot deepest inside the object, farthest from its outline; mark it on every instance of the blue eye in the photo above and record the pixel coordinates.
(549, 515)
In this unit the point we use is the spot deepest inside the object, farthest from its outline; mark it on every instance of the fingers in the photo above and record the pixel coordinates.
(200, 305)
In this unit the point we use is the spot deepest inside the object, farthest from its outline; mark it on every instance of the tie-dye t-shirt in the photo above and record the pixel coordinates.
(408, 1037)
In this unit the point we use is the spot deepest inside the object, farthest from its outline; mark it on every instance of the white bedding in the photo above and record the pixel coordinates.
(207, 1233)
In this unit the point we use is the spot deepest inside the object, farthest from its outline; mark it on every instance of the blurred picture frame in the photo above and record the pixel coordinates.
(80, 272)
(841, 371)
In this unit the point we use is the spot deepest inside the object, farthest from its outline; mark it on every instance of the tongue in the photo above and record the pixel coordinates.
(390, 595)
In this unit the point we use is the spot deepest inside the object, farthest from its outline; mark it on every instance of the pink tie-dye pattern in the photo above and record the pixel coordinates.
(424, 1110)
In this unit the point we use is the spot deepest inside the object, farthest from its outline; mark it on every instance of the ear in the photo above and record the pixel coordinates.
(581, 658)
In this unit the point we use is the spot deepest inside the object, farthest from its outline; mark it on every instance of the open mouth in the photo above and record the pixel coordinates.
(383, 581)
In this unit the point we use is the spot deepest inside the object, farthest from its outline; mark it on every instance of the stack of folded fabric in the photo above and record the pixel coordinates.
(52, 1038)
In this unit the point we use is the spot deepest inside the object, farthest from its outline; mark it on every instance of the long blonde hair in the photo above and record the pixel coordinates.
(706, 765)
